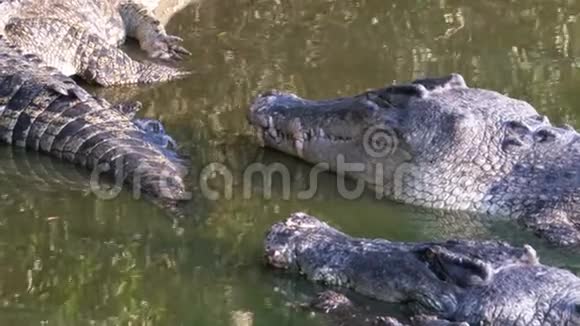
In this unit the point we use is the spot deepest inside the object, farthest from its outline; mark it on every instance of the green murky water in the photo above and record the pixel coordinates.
(67, 258)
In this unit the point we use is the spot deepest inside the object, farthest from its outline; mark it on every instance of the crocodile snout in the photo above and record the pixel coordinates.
(268, 102)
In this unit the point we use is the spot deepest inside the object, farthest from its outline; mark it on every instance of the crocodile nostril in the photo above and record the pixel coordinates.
(544, 135)
(269, 93)
(276, 94)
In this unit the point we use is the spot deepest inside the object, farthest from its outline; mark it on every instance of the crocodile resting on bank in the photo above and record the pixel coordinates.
(438, 143)
(478, 282)
(80, 37)
(45, 111)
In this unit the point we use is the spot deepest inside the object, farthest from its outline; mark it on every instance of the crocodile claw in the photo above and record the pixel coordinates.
(128, 108)
(156, 133)
(166, 47)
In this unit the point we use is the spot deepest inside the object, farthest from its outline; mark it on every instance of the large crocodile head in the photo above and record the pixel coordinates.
(437, 143)
(435, 123)
(479, 282)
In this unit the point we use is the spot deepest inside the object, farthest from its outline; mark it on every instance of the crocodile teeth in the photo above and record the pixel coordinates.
(261, 140)
(299, 146)
(273, 132)
(271, 128)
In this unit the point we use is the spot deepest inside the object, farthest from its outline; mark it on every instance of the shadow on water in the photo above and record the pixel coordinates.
(70, 259)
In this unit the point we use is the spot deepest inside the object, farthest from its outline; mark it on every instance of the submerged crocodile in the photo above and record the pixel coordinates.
(440, 144)
(80, 37)
(478, 282)
(45, 111)
(343, 312)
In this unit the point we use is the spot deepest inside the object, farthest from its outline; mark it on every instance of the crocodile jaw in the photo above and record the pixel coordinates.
(319, 131)
(354, 136)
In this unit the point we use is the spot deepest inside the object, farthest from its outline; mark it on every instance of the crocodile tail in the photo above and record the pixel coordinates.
(148, 73)
(75, 51)
(40, 109)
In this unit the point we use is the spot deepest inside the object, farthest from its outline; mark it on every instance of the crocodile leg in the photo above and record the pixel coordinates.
(156, 133)
(142, 25)
(128, 108)
(76, 52)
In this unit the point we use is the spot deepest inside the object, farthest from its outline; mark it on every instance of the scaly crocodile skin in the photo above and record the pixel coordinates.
(43, 110)
(80, 37)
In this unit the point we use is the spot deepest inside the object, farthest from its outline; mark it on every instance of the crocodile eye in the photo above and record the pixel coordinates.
(566, 313)
(575, 314)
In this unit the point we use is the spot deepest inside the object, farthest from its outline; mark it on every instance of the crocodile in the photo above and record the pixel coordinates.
(43, 110)
(81, 37)
(343, 312)
(437, 143)
(476, 282)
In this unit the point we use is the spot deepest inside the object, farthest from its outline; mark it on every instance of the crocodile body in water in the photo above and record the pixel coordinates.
(478, 282)
(440, 144)
(343, 312)
(45, 111)
(81, 37)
